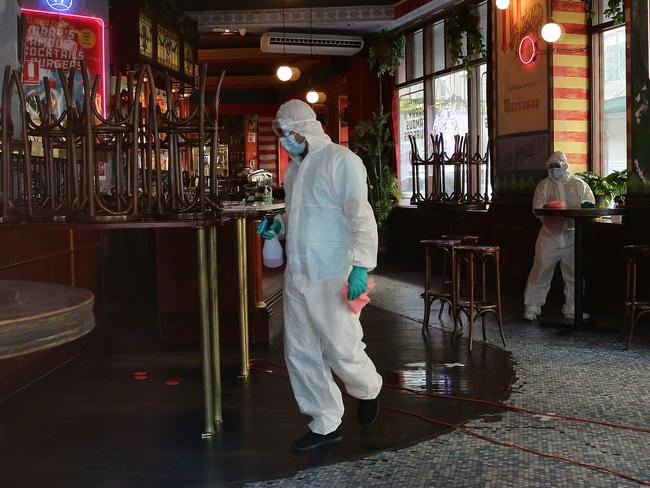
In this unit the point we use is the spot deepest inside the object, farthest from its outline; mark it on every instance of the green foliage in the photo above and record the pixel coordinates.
(610, 186)
(385, 55)
(463, 23)
(372, 141)
(613, 11)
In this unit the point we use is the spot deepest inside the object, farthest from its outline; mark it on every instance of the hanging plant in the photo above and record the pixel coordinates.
(385, 55)
(614, 10)
(463, 22)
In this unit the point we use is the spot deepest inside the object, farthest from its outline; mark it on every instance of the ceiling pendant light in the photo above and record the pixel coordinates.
(312, 96)
(551, 32)
(502, 4)
(284, 73)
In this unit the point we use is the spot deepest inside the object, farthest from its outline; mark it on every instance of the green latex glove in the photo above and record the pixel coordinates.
(269, 231)
(358, 282)
(587, 204)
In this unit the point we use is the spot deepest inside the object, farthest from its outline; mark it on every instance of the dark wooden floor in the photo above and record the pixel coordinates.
(90, 424)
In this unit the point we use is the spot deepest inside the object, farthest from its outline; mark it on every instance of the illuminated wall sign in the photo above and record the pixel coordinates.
(60, 5)
(527, 50)
(56, 41)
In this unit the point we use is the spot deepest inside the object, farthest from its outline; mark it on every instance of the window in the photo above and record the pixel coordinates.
(167, 48)
(609, 141)
(411, 123)
(188, 58)
(146, 36)
(414, 56)
(448, 102)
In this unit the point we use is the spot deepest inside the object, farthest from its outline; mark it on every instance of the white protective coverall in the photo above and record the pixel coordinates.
(329, 227)
(555, 241)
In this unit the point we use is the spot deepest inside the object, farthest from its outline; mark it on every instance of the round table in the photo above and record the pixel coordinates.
(36, 316)
(579, 215)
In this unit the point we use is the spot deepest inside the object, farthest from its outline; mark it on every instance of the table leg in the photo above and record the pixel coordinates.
(206, 356)
(213, 285)
(577, 298)
(243, 294)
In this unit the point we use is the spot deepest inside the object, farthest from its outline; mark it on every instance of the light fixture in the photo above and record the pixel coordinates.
(284, 73)
(502, 4)
(312, 96)
(551, 32)
(527, 50)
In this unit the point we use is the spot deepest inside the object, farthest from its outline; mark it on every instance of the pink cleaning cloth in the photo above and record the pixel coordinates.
(363, 300)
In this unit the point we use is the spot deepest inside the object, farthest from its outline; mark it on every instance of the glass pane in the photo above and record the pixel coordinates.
(614, 139)
(411, 123)
(483, 14)
(601, 12)
(415, 56)
(482, 129)
(401, 71)
(438, 46)
(449, 114)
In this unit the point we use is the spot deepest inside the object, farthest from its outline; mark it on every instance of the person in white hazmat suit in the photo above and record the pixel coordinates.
(331, 241)
(555, 242)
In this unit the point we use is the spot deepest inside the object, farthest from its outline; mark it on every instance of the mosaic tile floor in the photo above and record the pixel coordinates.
(587, 374)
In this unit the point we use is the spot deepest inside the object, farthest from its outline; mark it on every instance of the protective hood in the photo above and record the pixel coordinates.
(559, 157)
(297, 116)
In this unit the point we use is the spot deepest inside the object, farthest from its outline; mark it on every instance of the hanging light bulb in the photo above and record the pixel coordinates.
(551, 32)
(312, 96)
(284, 73)
(502, 4)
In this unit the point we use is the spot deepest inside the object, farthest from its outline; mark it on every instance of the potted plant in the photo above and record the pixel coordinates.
(373, 143)
(606, 188)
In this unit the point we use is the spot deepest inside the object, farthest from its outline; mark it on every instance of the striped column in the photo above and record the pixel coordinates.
(571, 84)
(268, 148)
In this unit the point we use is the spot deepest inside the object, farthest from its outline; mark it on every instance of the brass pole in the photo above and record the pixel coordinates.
(243, 294)
(213, 285)
(205, 335)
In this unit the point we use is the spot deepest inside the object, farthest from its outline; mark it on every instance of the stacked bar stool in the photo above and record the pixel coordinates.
(634, 308)
(473, 298)
(446, 293)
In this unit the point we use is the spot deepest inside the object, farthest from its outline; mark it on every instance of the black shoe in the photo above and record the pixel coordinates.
(311, 440)
(368, 411)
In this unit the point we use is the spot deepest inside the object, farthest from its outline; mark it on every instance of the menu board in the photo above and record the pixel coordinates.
(56, 41)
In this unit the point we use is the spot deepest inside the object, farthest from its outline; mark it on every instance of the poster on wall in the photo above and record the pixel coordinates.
(56, 41)
(522, 71)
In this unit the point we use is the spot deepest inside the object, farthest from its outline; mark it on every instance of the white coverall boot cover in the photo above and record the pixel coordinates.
(556, 239)
(329, 227)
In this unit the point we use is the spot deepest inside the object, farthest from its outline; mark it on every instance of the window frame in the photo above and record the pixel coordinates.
(429, 76)
(596, 32)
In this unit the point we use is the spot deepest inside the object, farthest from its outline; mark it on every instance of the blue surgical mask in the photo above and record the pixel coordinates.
(556, 173)
(293, 147)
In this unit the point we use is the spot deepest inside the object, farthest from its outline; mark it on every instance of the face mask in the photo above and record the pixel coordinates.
(556, 173)
(292, 146)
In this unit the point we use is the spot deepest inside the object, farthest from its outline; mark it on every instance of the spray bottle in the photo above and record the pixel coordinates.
(272, 255)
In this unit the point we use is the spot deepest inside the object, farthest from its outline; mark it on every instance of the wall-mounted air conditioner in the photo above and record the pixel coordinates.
(300, 43)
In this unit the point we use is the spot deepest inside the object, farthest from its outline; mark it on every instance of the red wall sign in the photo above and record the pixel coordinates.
(60, 41)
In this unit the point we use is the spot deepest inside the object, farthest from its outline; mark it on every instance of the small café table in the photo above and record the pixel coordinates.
(579, 215)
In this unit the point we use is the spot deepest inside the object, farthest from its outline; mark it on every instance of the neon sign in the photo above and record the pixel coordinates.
(60, 5)
(528, 49)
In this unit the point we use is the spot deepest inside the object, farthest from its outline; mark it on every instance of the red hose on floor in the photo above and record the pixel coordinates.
(492, 440)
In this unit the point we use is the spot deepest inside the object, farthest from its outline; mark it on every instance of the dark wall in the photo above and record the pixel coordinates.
(67, 257)
(510, 224)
